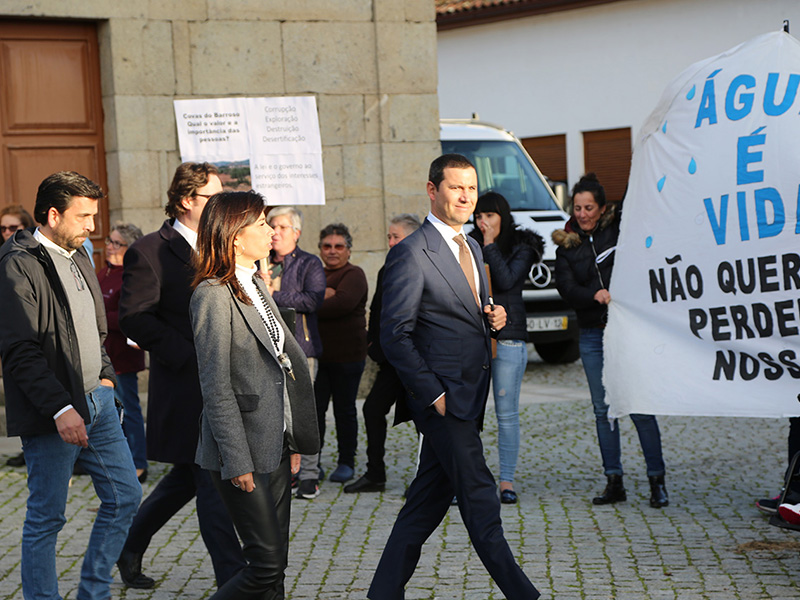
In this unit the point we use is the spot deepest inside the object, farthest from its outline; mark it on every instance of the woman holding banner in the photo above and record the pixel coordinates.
(509, 252)
(584, 261)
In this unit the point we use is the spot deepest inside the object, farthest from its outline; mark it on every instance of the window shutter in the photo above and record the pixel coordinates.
(549, 152)
(608, 154)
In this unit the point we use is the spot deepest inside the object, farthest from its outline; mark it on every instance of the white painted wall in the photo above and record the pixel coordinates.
(595, 68)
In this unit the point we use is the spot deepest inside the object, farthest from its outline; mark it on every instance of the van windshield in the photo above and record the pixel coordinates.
(503, 168)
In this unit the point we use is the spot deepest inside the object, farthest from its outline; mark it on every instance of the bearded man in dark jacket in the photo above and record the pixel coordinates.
(59, 386)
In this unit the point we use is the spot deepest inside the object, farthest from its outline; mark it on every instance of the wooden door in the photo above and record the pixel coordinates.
(51, 116)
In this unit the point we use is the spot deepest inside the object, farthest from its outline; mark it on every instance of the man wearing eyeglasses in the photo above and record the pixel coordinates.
(59, 386)
(154, 312)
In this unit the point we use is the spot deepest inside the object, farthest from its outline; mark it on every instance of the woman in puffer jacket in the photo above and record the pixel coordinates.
(584, 261)
(510, 252)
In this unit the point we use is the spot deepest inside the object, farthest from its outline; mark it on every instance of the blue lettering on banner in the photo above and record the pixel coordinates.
(797, 218)
(760, 292)
(745, 157)
(739, 103)
(770, 214)
(718, 225)
(733, 112)
(708, 106)
(744, 231)
(772, 196)
(770, 107)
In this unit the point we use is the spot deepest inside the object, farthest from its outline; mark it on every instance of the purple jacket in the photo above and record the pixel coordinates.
(303, 288)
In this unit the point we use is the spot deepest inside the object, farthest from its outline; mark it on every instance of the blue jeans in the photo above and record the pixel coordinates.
(50, 461)
(507, 371)
(127, 393)
(591, 348)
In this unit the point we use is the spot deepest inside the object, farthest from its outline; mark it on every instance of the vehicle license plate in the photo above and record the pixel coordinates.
(547, 323)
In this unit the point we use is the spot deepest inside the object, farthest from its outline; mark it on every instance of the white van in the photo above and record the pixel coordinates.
(505, 167)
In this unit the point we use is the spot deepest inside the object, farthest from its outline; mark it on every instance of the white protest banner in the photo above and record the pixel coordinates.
(286, 149)
(271, 145)
(705, 310)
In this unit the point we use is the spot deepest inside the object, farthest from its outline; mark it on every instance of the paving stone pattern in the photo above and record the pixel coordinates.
(710, 543)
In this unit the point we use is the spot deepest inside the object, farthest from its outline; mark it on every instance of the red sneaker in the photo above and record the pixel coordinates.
(790, 513)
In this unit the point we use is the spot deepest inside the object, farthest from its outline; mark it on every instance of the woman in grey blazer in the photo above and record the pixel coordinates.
(258, 401)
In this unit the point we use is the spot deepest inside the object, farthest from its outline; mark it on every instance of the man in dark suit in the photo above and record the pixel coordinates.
(435, 327)
(154, 312)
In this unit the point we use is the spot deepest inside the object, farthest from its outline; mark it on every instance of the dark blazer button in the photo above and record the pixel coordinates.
(485, 367)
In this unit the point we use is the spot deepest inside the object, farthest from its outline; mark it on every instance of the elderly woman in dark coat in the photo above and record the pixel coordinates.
(258, 402)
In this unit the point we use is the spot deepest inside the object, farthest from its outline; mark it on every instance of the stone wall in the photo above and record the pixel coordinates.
(370, 63)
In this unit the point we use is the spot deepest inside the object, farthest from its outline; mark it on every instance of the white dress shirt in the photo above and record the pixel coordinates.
(51, 245)
(187, 234)
(448, 233)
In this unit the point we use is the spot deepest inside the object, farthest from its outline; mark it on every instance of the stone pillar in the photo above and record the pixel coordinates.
(371, 64)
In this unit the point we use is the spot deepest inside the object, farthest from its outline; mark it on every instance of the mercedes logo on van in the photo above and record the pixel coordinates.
(540, 275)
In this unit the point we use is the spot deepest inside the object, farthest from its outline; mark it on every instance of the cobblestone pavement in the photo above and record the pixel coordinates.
(709, 543)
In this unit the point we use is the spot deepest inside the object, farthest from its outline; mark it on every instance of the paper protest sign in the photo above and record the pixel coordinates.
(270, 145)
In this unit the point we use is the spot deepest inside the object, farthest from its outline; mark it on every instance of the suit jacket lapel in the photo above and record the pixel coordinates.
(254, 322)
(447, 265)
(177, 243)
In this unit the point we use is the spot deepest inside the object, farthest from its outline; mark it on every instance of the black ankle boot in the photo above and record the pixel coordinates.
(658, 492)
(130, 570)
(614, 492)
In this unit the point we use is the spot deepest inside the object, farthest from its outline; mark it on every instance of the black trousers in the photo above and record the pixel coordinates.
(451, 462)
(340, 382)
(173, 492)
(794, 448)
(261, 518)
(385, 392)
